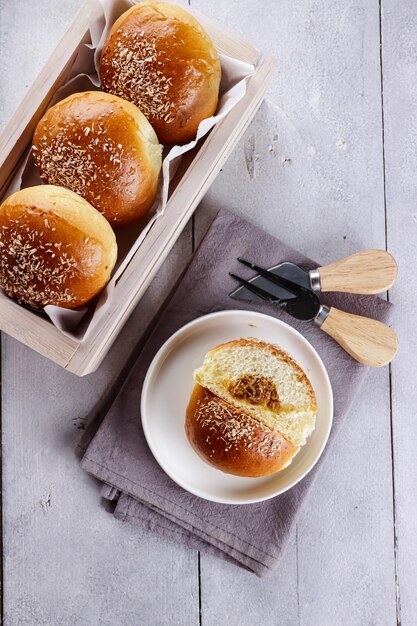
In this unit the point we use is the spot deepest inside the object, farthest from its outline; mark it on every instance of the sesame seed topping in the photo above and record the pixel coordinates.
(134, 72)
(84, 159)
(27, 274)
(220, 420)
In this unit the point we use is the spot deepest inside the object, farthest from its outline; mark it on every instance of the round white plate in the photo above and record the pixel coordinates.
(167, 388)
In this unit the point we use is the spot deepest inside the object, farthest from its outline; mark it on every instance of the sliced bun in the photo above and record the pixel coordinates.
(233, 441)
(104, 149)
(55, 248)
(251, 409)
(265, 382)
(159, 57)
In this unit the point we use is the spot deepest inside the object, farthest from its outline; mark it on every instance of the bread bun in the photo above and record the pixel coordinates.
(251, 410)
(232, 440)
(159, 57)
(102, 148)
(55, 248)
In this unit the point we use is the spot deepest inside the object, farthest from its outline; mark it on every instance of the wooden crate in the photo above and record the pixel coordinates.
(189, 187)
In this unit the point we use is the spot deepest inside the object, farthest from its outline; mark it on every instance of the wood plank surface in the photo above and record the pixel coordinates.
(399, 54)
(67, 561)
(311, 170)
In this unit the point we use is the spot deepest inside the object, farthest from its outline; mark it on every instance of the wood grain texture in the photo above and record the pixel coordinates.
(67, 561)
(366, 272)
(399, 54)
(203, 165)
(309, 170)
(367, 340)
(17, 135)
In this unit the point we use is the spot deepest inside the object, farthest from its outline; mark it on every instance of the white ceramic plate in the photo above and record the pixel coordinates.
(168, 386)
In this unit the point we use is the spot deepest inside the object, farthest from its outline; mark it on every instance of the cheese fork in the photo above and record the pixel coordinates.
(367, 340)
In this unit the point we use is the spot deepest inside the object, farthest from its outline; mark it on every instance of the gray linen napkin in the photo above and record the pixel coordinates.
(116, 453)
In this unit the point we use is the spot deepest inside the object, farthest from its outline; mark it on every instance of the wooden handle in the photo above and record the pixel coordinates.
(367, 272)
(366, 340)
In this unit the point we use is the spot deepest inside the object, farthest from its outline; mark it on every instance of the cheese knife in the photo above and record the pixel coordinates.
(367, 340)
(366, 272)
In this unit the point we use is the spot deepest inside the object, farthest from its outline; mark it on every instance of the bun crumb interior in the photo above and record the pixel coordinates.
(264, 381)
(251, 409)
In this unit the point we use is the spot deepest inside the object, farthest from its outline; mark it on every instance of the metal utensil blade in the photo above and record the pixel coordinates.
(303, 307)
(287, 270)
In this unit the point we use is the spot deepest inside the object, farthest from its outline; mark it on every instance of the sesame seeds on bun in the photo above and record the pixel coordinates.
(55, 248)
(232, 440)
(159, 57)
(104, 149)
(252, 408)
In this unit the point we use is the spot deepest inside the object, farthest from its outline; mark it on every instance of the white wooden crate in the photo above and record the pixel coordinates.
(196, 173)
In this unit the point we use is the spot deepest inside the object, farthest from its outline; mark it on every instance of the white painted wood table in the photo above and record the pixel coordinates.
(328, 165)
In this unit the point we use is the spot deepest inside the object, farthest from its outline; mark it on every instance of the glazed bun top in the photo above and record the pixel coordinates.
(55, 248)
(159, 57)
(103, 148)
(232, 440)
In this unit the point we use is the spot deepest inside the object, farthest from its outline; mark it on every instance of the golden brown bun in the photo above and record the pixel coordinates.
(55, 248)
(102, 148)
(159, 57)
(233, 441)
(252, 408)
(264, 381)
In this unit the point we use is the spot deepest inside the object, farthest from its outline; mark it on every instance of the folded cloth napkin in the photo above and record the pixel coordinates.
(116, 453)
